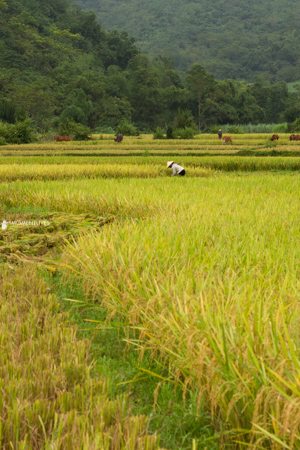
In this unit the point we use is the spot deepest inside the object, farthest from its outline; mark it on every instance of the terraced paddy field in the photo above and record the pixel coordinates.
(104, 145)
(182, 330)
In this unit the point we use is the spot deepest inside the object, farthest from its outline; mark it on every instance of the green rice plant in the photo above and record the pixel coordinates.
(210, 287)
(146, 166)
(110, 170)
(119, 197)
(101, 197)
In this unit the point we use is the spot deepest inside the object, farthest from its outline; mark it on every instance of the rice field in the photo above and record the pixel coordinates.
(49, 398)
(153, 167)
(145, 144)
(202, 273)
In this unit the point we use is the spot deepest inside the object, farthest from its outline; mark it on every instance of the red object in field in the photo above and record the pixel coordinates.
(275, 137)
(62, 138)
(227, 140)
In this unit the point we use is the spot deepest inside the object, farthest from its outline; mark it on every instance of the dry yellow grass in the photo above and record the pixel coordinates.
(28, 237)
(48, 398)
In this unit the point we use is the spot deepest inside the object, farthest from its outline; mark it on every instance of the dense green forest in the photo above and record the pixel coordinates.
(236, 39)
(57, 64)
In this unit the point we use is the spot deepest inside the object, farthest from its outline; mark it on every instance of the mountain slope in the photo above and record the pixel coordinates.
(236, 39)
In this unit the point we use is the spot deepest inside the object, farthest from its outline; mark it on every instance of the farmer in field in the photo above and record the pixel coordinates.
(177, 170)
(220, 133)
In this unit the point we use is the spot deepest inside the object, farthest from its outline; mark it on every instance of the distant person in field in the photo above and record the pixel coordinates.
(177, 170)
(220, 133)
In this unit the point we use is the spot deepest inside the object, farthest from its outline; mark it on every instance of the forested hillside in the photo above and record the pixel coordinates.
(57, 65)
(236, 39)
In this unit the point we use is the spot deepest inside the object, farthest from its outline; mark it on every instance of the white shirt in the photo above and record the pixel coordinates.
(176, 169)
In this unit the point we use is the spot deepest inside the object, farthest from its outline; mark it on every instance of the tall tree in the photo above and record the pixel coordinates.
(201, 85)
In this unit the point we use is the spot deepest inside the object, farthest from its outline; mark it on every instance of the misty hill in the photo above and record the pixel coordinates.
(236, 39)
